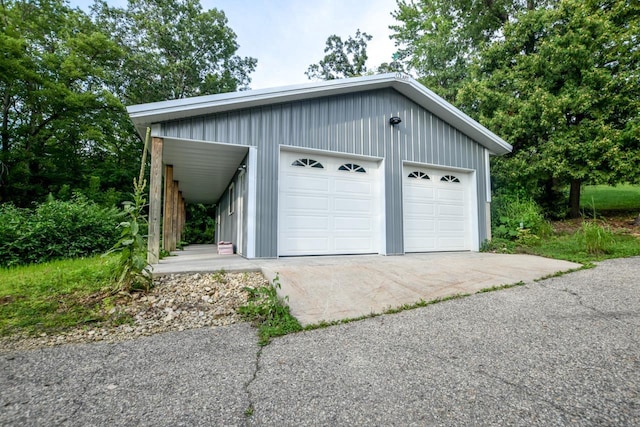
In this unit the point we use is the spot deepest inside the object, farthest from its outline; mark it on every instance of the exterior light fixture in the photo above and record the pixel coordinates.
(395, 120)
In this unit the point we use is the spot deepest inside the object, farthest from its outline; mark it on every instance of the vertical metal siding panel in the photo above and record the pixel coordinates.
(358, 134)
(271, 144)
(256, 138)
(313, 121)
(466, 151)
(454, 146)
(284, 125)
(393, 179)
(448, 145)
(349, 144)
(197, 125)
(300, 122)
(184, 130)
(439, 157)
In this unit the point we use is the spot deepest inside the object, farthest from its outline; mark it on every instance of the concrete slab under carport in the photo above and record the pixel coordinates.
(328, 288)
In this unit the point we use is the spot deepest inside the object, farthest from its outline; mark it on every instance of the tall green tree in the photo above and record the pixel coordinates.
(439, 39)
(55, 111)
(174, 49)
(563, 86)
(342, 59)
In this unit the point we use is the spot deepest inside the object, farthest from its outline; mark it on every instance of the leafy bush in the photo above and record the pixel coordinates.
(512, 215)
(55, 229)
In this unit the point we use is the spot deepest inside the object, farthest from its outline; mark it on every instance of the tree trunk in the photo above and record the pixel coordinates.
(574, 198)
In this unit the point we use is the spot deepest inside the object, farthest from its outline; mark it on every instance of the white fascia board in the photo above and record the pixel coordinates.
(188, 107)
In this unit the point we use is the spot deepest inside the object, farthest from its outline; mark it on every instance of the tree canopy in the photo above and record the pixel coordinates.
(557, 79)
(66, 76)
(174, 49)
(342, 59)
(57, 117)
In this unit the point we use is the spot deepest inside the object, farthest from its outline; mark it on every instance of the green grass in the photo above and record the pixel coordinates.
(571, 247)
(54, 296)
(623, 197)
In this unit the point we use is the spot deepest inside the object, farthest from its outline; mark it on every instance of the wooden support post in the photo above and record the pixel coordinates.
(180, 216)
(155, 201)
(167, 225)
(174, 215)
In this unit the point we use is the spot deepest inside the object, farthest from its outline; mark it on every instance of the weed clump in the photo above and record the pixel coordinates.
(269, 312)
(596, 239)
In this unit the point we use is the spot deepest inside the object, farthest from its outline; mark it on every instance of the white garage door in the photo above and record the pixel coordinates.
(436, 206)
(327, 205)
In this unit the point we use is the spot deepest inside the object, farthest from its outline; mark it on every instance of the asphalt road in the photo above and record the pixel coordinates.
(564, 351)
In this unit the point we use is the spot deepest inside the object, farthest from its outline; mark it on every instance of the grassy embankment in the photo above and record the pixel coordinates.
(612, 231)
(54, 296)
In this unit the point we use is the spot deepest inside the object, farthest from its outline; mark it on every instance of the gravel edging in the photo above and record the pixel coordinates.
(176, 302)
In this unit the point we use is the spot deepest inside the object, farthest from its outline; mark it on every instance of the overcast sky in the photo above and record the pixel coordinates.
(286, 36)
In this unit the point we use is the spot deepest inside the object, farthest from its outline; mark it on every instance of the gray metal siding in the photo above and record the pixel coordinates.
(352, 124)
(227, 229)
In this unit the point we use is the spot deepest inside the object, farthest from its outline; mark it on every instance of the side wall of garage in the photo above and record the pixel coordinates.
(231, 209)
(351, 124)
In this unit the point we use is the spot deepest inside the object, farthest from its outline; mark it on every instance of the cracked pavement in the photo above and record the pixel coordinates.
(561, 351)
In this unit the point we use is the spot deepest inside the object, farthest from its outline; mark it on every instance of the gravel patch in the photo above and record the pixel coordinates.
(176, 302)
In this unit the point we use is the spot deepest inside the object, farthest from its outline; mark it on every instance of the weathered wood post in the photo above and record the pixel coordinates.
(167, 225)
(155, 202)
(174, 215)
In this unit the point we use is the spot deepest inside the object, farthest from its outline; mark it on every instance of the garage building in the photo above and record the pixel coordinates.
(368, 165)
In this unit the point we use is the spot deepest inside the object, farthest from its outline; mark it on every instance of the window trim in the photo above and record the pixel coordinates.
(232, 195)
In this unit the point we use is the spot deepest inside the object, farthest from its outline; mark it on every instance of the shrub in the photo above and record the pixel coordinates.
(511, 215)
(55, 229)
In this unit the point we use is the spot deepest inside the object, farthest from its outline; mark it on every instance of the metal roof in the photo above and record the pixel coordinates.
(144, 115)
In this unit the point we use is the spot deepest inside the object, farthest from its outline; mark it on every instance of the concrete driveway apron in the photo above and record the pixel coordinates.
(342, 287)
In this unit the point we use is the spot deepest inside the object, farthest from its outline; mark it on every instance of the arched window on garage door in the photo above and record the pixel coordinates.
(418, 175)
(449, 178)
(307, 163)
(352, 167)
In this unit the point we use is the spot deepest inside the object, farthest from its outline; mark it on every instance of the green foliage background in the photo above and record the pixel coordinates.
(55, 229)
(65, 77)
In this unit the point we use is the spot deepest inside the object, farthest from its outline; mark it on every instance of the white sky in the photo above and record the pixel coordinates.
(286, 36)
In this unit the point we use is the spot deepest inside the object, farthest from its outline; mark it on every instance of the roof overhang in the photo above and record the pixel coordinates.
(203, 169)
(144, 115)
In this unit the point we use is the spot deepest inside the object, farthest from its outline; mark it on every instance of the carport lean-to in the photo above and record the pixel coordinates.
(376, 164)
